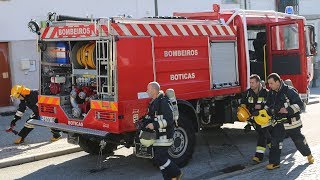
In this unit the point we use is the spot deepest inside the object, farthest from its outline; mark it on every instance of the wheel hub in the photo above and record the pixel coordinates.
(180, 143)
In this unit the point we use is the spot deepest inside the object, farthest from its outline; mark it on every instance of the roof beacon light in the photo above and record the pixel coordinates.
(289, 10)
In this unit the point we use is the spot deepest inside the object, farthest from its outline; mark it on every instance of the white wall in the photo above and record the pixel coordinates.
(261, 4)
(15, 14)
(309, 7)
(167, 7)
(24, 50)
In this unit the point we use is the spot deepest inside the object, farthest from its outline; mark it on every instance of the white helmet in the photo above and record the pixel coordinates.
(147, 138)
(82, 95)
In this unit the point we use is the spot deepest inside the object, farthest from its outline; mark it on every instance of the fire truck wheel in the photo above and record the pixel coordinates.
(184, 141)
(92, 146)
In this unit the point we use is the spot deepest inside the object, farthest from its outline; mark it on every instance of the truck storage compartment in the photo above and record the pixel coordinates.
(224, 66)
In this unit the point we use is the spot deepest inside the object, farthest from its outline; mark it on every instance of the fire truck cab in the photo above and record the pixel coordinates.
(94, 72)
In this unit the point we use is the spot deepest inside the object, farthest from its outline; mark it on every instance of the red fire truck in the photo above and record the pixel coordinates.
(94, 72)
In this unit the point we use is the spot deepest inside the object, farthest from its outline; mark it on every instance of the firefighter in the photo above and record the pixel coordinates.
(254, 100)
(162, 122)
(28, 98)
(293, 130)
(284, 104)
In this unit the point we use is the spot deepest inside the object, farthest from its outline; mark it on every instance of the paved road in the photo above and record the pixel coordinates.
(294, 166)
(215, 152)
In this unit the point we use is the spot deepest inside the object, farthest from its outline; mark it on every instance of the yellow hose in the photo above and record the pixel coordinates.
(90, 59)
(85, 56)
(79, 56)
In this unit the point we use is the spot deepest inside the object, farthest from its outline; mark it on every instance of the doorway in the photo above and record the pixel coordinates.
(5, 77)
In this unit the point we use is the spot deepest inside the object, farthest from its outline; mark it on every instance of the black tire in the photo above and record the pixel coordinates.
(184, 141)
(92, 147)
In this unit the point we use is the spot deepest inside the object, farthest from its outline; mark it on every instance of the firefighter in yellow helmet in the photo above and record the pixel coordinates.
(254, 100)
(28, 98)
(285, 105)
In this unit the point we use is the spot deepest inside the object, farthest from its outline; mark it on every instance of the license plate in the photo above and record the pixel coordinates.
(47, 119)
(143, 152)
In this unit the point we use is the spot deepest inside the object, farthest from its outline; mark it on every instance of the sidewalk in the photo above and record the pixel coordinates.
(24, 153)
(36, 146)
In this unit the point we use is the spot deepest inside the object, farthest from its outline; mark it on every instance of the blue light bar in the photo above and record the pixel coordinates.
(289, 10)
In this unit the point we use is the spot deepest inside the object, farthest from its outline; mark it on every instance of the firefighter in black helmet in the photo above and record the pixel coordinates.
(28, 98)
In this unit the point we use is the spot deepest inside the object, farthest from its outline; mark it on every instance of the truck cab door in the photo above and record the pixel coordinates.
(287, 52)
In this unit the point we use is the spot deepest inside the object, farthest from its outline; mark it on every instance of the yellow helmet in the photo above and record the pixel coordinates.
(243, 114)
(263, 118)
(18, 91)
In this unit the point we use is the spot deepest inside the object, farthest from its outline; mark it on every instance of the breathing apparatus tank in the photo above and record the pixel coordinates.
(173, 103)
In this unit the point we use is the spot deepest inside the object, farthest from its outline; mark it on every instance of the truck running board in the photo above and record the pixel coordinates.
(68, 128)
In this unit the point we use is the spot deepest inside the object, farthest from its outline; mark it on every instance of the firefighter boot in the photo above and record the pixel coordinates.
(310, 159)
(178, 177)
(272, 166)
(256, 159)
(19, 140)
(55, 137)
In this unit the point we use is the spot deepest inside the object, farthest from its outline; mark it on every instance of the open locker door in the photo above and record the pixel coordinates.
(287, 52)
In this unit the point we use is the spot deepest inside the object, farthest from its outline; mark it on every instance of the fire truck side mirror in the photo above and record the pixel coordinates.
(311, 44)
(314, 48)
(34, 26)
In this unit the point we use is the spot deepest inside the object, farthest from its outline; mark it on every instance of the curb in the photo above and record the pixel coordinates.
(39, 156)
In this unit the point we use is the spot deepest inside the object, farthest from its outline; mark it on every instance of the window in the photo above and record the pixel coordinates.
(282, 4)
(285, 37)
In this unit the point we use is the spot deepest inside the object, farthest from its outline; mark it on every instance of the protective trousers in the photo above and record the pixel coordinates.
(168, 168)
(28, 128)
(299, 140)
(277, 136)
(264, 138)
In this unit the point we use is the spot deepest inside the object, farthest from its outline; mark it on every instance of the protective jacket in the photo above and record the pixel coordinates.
(160, 115)
(288, 98)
